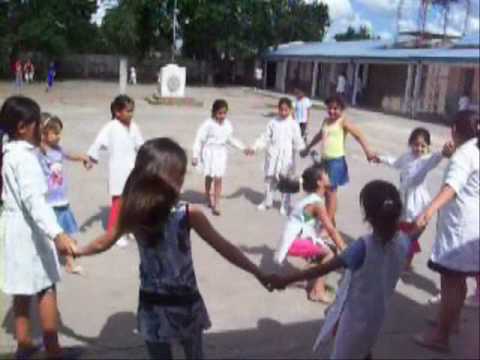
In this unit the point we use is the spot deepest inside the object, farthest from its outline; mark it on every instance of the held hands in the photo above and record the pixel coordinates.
(272, 282)
(194, 162)
(422, 221)
(372, 157)
(448, 149)
(87, 164)
(304, 152)
(65, 245)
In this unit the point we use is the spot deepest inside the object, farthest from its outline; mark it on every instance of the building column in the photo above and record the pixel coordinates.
(356, 73)
(123, 77)
(285, 76)
(416, 89)
(314, 79)
(408, 89)
(264, 80)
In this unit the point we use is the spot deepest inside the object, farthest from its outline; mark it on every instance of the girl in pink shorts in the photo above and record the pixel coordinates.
(307, 223)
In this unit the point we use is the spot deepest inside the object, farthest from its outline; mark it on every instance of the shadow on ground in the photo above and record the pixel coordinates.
(101, 215)
(272, 339)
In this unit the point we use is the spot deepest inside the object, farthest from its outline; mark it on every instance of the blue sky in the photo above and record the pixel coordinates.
(380, 16)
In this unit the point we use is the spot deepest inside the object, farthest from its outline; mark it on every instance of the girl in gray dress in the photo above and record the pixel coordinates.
(170, 305)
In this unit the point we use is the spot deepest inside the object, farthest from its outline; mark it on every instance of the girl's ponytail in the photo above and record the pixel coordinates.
(382, 206)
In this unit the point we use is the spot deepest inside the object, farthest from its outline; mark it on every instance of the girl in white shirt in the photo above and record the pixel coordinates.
(210, 151)
(31, 234)
(455, 253)
(414, 167)
(281, 139)
(121, 137)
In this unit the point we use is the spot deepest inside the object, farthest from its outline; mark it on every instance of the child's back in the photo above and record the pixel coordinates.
(364, 294)
(167, 278)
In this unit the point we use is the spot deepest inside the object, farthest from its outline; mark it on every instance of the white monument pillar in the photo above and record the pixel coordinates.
(356, 74)
(408, 89)
(314, 79)
(172, 81)
(123, 76)
(416, 90)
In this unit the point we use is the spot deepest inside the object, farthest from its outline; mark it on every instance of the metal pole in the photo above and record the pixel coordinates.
(174, 21)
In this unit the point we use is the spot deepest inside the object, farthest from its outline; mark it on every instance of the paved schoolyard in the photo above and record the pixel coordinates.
(98, 311)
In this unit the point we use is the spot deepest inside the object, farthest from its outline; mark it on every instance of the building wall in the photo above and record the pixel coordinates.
(457, 84)
(385, 86)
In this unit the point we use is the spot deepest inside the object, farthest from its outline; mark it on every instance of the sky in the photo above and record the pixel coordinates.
(380, 16)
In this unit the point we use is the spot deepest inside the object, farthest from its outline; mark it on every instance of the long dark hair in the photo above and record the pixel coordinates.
(16, 110)
(382, 207)
(151, 189)
(419, 132)
(466, 124)
(218, 105)
(311, 175)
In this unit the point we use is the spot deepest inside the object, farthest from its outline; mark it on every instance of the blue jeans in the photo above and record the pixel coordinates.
(192, 347)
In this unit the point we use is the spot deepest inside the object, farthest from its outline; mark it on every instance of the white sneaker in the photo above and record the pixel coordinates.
(263, 207)
(122, 242)
(435, 299)
(472, 301)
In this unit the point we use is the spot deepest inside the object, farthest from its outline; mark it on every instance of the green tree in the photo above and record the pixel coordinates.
(48, 26)
(363, 33)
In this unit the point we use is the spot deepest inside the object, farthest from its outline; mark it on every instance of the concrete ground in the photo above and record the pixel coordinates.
(98, 310)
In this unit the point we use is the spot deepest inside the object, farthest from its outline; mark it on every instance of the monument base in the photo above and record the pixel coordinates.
(173, 101)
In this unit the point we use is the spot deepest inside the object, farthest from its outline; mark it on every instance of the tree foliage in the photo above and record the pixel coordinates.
(363, 33)
(214, 29)
(49, 26)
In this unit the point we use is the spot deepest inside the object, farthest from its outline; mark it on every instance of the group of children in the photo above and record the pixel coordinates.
(145, 182)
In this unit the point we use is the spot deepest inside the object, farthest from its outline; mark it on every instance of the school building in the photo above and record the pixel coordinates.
(393, 77)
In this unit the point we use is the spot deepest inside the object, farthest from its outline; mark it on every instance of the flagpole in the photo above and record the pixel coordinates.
(174, 21)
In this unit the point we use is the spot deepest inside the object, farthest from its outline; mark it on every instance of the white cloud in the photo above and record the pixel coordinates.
(386, 35)
(389, 6)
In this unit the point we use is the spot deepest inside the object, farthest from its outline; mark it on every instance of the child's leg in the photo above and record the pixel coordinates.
(331, 202)
(208, 186)
(318, 291)
(21, 310)
(48, 311)
(193, 347)
(269, 189)
(286, 200)
(159, 350)
(217, 191)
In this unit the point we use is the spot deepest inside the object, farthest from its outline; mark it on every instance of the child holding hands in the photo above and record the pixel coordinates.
(170, 304)
(32, 235)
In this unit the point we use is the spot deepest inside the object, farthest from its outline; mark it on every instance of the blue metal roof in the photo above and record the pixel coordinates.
(470, 40)
(372, 50)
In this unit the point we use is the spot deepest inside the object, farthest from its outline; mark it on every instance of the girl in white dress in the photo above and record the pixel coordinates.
(414, 167)
(455, 253)
(373, 266)
(210, 151)
(281, 139)
(31, 235)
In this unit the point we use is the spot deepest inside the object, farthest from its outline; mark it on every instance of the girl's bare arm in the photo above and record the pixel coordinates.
(358, 135)
(100, 244)
(321, 214)
(203, 227)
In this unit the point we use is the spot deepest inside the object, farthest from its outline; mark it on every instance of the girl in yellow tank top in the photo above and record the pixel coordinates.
(333, 133)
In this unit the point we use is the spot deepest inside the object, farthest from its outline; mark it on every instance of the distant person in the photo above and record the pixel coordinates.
(302, 111)
(281, 139)
(51, 74)
(210, 151)
(258, 78)
(18, 70)
(133, 75)
(122, 138)
(29, 71)
(341, 85)
(464, 102)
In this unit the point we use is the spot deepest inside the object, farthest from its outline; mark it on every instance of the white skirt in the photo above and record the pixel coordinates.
(214, 160)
